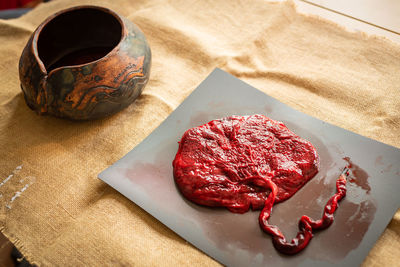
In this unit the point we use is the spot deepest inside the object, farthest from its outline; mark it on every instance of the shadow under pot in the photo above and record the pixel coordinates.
(83, 63)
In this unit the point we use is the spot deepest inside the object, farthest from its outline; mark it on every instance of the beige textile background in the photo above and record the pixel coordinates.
(64, 215)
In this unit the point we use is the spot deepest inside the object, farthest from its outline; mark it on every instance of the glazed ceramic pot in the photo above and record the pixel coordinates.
(83, 63)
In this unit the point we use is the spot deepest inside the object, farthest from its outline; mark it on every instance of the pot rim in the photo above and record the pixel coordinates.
(50, 18)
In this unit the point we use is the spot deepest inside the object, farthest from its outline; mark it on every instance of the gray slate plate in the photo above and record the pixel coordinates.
(145, 176)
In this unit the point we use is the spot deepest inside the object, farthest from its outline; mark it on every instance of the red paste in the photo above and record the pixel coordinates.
(250, 161)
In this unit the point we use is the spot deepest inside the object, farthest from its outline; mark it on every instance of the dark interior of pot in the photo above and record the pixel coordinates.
(77, 37)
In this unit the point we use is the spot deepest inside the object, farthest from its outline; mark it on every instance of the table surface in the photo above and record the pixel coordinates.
(375, 17)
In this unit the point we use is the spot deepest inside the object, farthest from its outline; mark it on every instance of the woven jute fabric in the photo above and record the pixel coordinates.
(55, 209)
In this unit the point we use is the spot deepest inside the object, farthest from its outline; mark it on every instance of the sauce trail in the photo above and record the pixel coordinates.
(251, 162)
(306, 224)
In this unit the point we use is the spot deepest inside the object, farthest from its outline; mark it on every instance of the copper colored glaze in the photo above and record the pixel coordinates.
(85, 62)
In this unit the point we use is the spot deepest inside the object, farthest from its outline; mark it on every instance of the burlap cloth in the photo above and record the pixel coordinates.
(55, 209)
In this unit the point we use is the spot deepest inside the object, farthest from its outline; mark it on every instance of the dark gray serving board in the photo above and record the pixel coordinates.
(145, 176)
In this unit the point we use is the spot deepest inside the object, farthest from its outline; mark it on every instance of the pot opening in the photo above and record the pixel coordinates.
(77, 37)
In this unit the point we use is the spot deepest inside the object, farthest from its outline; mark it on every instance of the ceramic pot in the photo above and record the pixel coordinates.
(83, 63)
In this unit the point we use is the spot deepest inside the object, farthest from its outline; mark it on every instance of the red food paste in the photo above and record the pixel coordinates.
(251, 161)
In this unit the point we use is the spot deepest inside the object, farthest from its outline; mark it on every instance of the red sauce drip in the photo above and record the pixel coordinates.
(306, 224)
(251, 162)
(214, 162)
(360, 176)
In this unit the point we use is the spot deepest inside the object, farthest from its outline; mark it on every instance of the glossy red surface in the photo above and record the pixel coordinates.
(251, 161)
(306, 224)
(220, 163)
